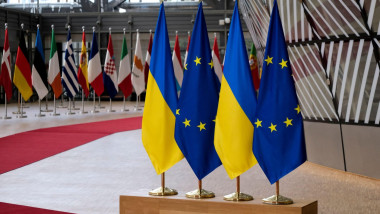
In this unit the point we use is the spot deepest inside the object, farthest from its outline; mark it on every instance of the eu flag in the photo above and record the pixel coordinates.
(198, 102)
(278, 144)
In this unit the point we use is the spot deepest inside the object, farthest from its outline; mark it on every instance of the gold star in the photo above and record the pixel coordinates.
(272, 127)
(211, 64)
(269, 60)
(177, 112)
(283, 63)
(187, 122)
(201, 126)
(186, 67)
(197, 61)
(298, 109)
(288, 122)
(258, 123)
(214, 120)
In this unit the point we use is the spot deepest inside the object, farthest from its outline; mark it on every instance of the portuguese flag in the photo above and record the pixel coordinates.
(23, 75)
(254, 67)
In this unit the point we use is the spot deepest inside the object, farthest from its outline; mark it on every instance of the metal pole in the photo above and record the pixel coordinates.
(22, 110)
(18, 103)
(200, 186)
(6, 109)
(163, 182)
(46, 107)
(39, 106)
(100, 104)
(238, 185)
(55, 108)
(110, 110)
(70, 112)
(74, 104)
(123, 109)
(277, 188)
(94, 110)
(83, 111)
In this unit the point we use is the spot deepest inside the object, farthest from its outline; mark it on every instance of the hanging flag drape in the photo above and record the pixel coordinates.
(197, 105)
(138, 81)
(82, 70)
(279, 144)
(54, 74)
(124, 79)
(216, 59)
(147, 59)
(39, 74)
(95, 73)
(5, 75)
(237, 105)
(177, 64)
(23, 75)
(160, 103)
(69, 70)
(254, 67)
(110, 75)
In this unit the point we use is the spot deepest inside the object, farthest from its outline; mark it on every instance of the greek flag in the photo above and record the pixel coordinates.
(69, 70)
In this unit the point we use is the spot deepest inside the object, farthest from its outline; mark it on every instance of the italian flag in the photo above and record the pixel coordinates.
(54, 76)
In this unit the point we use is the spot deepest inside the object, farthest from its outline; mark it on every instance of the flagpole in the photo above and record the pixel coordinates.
(18, 103)
(6, 109)
(61, 105)
(74, 108)
(162, 190)
(99, 104)
(55, 108)
(22, 110)
(46, 107)
(110, 110)
(83, 111)
(39, 105)
(277, 199)
(123, 109)
(70, 112)
(94, 110)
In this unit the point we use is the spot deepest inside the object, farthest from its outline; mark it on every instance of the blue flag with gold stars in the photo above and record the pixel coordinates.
(197, 105)
(278, 144)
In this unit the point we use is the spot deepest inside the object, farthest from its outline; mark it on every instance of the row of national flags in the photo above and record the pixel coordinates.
(217, 118)
(89, 72)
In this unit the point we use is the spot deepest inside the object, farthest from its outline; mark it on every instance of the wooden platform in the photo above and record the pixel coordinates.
(143, 203)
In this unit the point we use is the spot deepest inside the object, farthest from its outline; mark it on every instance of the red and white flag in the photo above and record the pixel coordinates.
(5, 76)
(177, 64)
(187, 51)
(147, 59)
(138, 81)
(216, 60)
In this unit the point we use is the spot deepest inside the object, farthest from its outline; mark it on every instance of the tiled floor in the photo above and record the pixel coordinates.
(90, 178)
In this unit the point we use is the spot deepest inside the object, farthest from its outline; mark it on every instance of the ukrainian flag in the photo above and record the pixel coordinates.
(160, 103)
(237, 106)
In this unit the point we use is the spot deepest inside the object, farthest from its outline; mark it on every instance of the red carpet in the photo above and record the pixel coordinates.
(6, 208)
(25, 148)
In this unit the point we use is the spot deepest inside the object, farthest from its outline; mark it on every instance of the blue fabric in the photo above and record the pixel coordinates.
(281, 149)
(108, 84)
(39, 44)
(236, 69)
(161, 66)
(94, 47)
(198, 103)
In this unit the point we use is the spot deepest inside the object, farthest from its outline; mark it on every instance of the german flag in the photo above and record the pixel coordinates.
(23, 75)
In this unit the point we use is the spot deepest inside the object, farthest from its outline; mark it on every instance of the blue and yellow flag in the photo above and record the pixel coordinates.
(279, 144)
(160, 103)
(197, 105)
(237, 106)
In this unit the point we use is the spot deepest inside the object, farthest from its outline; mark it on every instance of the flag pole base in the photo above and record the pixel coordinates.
(56, 114)
(40, 115)
(200, 194)
(83, 112)
(6, 118)
(124, 110)
(22, 116)
(18, 112)
(70, 113)
(110, 110)
(94, 111)
(137, 109)
(48, 110)
(238, 197)
(277, 200)
(167, 191)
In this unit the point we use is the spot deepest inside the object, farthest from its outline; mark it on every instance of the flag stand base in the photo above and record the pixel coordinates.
(167, 191)
(238, 197)
(278, 200)
(200, 193)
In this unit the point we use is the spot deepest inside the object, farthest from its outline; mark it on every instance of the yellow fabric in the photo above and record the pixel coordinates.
(233, 134)
(158, 129)
(22, 85)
